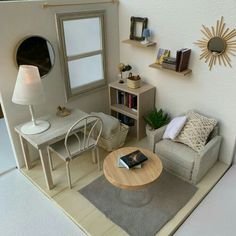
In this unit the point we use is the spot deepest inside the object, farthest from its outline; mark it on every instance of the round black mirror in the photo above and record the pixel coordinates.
(37, 51)
(216, 45)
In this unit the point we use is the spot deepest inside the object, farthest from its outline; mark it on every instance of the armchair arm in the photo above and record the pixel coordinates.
(206, 159)
(155, 136)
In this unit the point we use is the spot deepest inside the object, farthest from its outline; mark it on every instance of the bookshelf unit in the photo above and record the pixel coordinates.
(144, 98)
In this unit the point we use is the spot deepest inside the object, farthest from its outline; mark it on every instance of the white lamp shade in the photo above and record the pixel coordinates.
(28, 89)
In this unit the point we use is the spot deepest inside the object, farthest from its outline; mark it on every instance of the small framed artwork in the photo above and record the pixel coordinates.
(137, 25)
(162, 53)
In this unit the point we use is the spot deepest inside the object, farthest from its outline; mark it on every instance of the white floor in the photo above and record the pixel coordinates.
(215, 216)
(7, 160)
(24, 210)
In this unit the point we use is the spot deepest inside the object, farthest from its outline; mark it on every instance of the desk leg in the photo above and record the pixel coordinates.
(46, 167)
(25, 151)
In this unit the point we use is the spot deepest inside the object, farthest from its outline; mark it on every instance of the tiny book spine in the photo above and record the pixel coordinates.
(184, 59)
(124, 164)
(120, 165)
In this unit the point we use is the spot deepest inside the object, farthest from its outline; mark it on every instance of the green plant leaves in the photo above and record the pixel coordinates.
(157, 119)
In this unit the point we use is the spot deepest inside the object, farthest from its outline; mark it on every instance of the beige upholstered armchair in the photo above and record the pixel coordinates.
(182, 160)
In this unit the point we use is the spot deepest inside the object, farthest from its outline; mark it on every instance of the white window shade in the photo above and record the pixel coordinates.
(85, 71)
(82, 36)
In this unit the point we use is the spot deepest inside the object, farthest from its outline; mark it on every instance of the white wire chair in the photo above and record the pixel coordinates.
(81, 137)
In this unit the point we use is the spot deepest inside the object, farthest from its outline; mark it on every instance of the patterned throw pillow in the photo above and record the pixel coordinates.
(196, 131)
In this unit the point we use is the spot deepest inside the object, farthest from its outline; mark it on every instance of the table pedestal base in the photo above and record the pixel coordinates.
(134, 198)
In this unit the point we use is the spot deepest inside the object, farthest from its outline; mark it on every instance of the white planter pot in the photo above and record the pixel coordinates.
(150, 132)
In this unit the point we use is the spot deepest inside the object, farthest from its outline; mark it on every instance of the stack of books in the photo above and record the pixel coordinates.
(132, 160)
(182, 59)
(126, 119)
(169, 63)
(127, 99)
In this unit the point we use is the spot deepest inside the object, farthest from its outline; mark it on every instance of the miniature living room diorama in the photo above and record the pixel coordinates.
(121, 117)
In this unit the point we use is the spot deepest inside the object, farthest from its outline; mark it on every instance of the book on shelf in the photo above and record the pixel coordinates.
(120, 97)
(168, 66)
(169, 60)
(162, 53)
(120, 165)
(126, 119)
(169, 63)
(132, 159)
(182, 59)
(129, 100)
(178, 54)
(126, 99)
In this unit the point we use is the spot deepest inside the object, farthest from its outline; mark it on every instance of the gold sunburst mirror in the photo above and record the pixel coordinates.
(217, 44)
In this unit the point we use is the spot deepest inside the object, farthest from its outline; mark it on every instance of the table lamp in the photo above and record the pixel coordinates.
(29, 91)
(146, 34)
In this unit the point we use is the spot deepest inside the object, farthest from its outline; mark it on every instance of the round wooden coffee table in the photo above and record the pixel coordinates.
(132, 179)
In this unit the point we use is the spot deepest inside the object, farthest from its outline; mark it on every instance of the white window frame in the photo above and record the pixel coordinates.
(61, 17)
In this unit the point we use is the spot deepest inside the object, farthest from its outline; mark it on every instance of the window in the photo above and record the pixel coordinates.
(81, 37)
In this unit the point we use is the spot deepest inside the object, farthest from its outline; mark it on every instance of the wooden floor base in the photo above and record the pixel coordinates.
(83, 213)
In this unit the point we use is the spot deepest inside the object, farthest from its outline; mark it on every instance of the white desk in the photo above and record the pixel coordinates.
(57, 131)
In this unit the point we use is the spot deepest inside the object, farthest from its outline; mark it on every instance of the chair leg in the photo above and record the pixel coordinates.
(94, 156)
(68, 174)
(50, 159)
(98, 158)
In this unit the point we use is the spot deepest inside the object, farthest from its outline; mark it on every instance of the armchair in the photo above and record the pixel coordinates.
(182, 160)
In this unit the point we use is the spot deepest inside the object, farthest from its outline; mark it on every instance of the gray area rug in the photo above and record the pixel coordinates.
(169, 193)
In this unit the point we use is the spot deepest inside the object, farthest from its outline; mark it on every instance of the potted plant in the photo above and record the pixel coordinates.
(155, 120)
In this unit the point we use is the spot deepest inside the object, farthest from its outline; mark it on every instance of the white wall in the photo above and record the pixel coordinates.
(29, 18)
(177, 24)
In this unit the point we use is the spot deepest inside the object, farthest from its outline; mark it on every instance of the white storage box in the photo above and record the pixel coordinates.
(116, 140)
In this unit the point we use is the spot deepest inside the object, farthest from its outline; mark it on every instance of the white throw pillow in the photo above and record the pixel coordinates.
(111, 125)
(174, 127)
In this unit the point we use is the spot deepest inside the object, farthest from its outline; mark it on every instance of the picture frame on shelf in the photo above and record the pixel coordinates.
(137, 26)
(161, 54)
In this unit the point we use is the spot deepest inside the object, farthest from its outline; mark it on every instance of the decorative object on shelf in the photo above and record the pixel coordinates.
(123, 68)
(217, 44)
(37, 51)
(133, 81)
(162, 53)
(146, 35)
(156, 119)
(182, 59)
(29, 91)
(137, 26)
(63, 111)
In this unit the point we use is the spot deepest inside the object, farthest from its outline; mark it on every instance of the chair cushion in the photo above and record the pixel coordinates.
(73, 146)
(196, 131)
(111, 125)
(177, 153)
(174, 127)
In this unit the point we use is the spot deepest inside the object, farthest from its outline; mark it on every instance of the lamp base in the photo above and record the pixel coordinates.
(30, 128)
